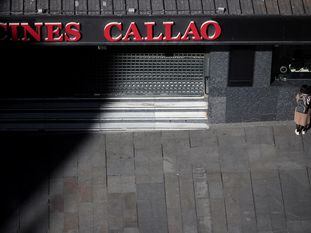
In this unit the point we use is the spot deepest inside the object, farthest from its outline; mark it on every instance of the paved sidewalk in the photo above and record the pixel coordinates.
(226, 179)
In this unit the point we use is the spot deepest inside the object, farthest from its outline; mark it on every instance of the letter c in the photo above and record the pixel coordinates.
(107, 31)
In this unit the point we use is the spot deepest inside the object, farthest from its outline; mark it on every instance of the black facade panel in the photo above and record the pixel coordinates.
(241, 67)
(235, 30)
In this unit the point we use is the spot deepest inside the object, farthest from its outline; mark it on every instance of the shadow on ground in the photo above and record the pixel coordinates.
(28, 159)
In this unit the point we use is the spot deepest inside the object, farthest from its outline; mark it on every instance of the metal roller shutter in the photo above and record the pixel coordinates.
(150, 74)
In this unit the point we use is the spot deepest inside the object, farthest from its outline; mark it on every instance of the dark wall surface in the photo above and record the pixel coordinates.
(261, 102)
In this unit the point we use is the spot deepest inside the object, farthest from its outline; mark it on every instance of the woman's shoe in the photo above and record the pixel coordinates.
(303, 132)
(297, 132)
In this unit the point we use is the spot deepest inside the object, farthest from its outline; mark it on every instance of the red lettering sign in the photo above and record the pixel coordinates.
(168, 28)
(107, 31)
(55, 32)
(72, 32)
(14, 32)
(113, 32)
(34, 33)
(150, 32)
(191, 31)
(133, 33)
(4, 28)
(204, 30)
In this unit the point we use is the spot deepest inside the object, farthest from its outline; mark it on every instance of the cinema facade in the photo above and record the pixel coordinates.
(135, 66)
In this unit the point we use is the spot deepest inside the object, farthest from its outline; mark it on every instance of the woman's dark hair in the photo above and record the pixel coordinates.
(304, 89)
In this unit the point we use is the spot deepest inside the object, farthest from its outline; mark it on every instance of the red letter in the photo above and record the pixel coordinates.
(132, 31)
(72, 32)
(3, 26)
(191, 30)
(168, 32)
(13, 27)
(107, 31)
(35, 34)
(150, 37)
(53, 32)
(204, 30)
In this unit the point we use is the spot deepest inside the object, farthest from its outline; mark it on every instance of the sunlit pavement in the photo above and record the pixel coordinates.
(226, 179)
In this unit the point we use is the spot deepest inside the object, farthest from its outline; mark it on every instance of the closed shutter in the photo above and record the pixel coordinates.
(149, 74)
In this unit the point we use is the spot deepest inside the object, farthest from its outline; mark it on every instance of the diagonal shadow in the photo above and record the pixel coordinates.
(28, 159)
(29, 73)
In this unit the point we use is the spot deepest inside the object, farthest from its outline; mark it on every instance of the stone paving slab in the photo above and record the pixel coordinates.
(187, 204)
(247, 178)
(297, 194)
(268, 200)
(173, 207)
(151, 208)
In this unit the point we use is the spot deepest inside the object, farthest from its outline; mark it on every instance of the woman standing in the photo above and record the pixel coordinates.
(302, 116)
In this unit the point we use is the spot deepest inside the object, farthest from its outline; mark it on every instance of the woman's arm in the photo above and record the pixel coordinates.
(297, 97)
